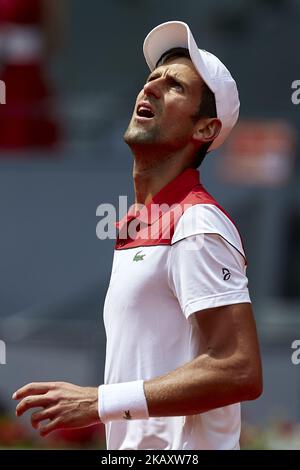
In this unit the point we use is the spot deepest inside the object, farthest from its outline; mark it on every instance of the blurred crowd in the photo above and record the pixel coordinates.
(30, 34)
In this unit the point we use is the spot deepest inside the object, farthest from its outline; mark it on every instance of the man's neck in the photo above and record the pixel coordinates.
(148, 181)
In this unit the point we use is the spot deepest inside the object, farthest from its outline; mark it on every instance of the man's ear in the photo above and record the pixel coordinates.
(207, 129)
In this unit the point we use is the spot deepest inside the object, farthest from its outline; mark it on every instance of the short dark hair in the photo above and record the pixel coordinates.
(207, 107)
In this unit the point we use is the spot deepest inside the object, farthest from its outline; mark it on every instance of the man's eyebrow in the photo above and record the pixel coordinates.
(170, 75)
(153, 74)
(174, 76)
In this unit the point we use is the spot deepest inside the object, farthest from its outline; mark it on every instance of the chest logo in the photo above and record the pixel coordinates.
(138, 257)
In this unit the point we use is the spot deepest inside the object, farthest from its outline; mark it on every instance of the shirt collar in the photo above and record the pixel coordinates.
(170, 194)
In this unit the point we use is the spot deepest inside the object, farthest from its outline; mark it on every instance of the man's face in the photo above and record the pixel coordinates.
(164, 109)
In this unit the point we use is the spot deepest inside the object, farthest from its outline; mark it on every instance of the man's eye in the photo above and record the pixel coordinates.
(176, 85)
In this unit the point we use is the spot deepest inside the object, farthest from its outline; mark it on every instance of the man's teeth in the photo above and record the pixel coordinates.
(145, 112)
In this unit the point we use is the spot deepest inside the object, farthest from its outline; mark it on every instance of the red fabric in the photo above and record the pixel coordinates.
(186, 189)
(20, 11)
(27, 119)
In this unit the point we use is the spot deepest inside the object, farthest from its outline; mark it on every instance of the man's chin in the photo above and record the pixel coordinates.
(138, 136)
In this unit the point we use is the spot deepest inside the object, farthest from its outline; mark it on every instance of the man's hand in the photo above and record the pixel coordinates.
(64, 405)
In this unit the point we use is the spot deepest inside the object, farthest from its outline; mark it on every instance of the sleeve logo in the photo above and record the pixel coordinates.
(226, 274)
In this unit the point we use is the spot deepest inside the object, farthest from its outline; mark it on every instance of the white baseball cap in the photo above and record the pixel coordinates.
(213, 72)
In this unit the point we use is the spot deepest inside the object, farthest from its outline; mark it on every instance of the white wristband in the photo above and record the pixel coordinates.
(122, 401)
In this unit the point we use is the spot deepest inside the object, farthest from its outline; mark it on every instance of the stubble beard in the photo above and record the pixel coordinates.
(137, 135)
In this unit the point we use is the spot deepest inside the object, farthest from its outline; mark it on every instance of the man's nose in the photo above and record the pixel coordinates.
(153, 88)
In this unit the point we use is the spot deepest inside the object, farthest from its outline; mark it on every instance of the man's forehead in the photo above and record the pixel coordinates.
(181, 67)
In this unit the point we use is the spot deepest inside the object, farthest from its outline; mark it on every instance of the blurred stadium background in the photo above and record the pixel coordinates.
(55, 272)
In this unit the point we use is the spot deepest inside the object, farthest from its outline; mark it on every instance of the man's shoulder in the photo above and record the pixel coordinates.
(202, 214)
(199, 196)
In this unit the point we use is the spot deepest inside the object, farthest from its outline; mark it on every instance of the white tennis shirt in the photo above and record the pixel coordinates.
(192, 262)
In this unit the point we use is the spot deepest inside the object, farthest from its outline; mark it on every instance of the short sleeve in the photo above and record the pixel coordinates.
(205, 271)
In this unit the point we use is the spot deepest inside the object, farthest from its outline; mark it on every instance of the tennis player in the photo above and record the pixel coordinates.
(182, 349)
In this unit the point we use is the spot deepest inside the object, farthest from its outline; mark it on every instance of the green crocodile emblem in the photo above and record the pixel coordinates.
(138, 257)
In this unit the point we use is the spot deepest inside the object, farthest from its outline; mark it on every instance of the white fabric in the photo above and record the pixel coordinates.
(214, 73)
(122, 401)
(210, 243)
(151, 327)
(207, 218)
(206, 285)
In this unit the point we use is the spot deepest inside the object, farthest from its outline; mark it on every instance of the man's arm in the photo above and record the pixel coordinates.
(228, 369)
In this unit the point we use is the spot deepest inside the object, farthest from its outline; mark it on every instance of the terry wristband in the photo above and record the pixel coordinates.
(122, 401)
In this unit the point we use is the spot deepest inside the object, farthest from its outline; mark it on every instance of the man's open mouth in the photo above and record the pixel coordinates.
(144, 110)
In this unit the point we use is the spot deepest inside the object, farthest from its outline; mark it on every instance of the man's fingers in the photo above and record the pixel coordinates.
(52, 426)
(33, 402)
(35, 388)
(38, 416)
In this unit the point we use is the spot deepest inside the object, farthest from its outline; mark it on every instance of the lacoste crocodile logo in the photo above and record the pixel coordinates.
(127, 415)
(138, 257)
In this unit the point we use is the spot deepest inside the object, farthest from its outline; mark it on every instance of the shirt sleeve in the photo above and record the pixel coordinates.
(206, 271)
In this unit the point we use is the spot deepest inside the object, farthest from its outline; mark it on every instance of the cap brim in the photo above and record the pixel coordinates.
(173, 34)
